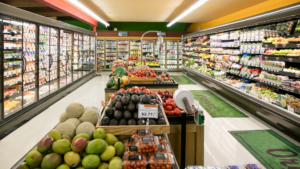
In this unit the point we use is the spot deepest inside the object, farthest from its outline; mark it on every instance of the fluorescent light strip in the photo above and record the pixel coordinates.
(189, 10)
(255, 17)
(88, 11)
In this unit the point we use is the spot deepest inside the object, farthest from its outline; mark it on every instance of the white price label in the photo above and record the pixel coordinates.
(100, 108)
(148, 111)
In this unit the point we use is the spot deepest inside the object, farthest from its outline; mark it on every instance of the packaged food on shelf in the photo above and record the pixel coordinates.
(147, 144)
(135, 162)
(165, 160)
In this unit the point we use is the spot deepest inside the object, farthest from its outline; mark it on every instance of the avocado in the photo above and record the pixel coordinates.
(137, 106)
(127, 92)
(152, 101)
(118, 114)
(136, 115)
(110, 105)
(109, 84)
(113, 102)
(119, 106)
(127, 115)
(128, 95)
(105, 121)
(134, 98)
(134, 93)
(125, 100)
(123, 122)
(141, 98)
(142, 92)
(119, 93)
(146, 99)
(152, 96)
(114, 122)
(109, 112)
(152, 122)
(131, 107)
(125, 108)
(131, 122)
(117, 97)
(161, 121)
(160, 115)
(141, 122)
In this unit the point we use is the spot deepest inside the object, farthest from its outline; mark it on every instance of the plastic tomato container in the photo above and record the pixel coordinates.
(135, 162)
(161, 160)
(163, 148)
(141, 133)
(147, 144)
(162, 139)
(131, 150)
(129, 142)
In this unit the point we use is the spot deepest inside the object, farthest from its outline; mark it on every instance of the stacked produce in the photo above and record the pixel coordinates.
(142, 73)
(113, 82)
(143, 149)
(164, 79)
(169, 104)
(76, 143)
(123, 107)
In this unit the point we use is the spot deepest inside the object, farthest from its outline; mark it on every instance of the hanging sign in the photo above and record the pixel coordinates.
(122, 33)
(163, 34)
(148, 111)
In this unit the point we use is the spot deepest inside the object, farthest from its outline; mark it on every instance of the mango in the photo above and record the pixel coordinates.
(108, 153)
(110, 139)
(115, 163)
(119, 146)
(79, 144)
(54, 134)
(34, 158)
(45, 144)
(72, 159)
(51, 161)
(91, 161)
(96, 146)
(63, 166)
(83, 154)
(66, 137)
(81, 135)
(61, 146)
(23, 166)
(103, 166)
(99, 133)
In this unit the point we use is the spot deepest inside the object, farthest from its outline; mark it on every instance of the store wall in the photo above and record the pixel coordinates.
(253, 10)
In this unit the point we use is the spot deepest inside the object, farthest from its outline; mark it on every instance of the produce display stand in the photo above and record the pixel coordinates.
(141, 80)
(156, 87)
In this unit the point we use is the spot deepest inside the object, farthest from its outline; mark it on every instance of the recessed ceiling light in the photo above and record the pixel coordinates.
(88, 11)
(189, 10)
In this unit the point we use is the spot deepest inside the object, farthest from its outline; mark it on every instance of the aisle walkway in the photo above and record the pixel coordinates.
(220, 147)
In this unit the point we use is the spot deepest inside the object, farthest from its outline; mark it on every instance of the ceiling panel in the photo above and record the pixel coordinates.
(214, 9)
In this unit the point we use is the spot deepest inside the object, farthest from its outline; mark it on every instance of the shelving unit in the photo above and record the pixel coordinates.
(110, 53)
(100, 55)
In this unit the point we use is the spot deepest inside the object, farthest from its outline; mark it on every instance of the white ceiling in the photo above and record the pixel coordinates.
(164, 10)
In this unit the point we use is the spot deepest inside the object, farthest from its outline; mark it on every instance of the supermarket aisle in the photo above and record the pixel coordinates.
(220, 147)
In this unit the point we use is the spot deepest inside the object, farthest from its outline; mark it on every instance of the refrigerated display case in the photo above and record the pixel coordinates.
(135, 48)
(123, 49)
(180, 55)
(66, 41)
(160, 54)
(172, 54)
(76, 62)
(111, 53)
(85, 54)
(92, 53)
(100, 55)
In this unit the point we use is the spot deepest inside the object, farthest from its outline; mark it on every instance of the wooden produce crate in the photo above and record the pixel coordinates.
(141, 80)
(128, 129)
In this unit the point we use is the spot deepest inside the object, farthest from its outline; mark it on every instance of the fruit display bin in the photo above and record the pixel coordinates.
(141, 80)
(127, 129)
(156, 87)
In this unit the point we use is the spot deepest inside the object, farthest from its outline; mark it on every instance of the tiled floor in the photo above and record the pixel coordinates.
(220, 147)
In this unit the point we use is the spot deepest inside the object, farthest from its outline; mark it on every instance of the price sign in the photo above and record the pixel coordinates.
(148, 111)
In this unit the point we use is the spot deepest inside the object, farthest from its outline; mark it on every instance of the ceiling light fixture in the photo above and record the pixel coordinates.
(88, 11)
(189, 10)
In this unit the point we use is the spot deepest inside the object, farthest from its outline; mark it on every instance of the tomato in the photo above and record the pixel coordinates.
(171, 113)
(159, 92)
(177, 112)
(173, 105)
(163, 76)
(129, 89)
(168, 102)
(168, 107)
(164, 104)
(112, 97)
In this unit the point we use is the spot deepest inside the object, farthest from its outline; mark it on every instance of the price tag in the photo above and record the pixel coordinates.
(100, 109)
(148, 111)
(290, 59)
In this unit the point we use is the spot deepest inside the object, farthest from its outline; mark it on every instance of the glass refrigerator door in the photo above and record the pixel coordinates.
(80, 53)
(123, 49)
(148, 53)
(53, 60)
(135, 51)
(92, 52)
(100, 55)
(85, 54)
(171, 54)
(180, 55)
(65, 57)
(111, 52)
(44, 40)
(75, 62)
(29, 53)
(160, 54)
(13, 65)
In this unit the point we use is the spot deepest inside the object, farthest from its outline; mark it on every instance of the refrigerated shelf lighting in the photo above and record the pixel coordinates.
(88, 11)
(189, 10)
